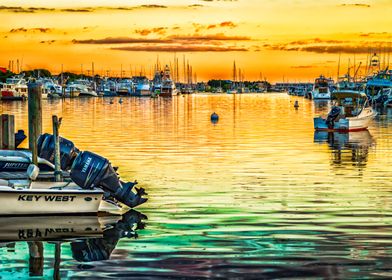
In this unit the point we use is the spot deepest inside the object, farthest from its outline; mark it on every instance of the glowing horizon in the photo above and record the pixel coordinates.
(272, 39)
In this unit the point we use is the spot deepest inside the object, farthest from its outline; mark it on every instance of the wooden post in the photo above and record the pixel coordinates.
(7, 132)
(57, 261)
(35, 117)
(57, 164)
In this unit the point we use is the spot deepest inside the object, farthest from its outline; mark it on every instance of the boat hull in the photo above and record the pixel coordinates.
(49, 201)
(318, 95)
(168, 92)
(343, 125)
(141, 93)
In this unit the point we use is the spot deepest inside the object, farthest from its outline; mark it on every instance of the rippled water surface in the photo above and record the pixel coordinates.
(257, 195)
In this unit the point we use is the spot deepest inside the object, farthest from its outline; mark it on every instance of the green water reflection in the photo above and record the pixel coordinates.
(258, 194)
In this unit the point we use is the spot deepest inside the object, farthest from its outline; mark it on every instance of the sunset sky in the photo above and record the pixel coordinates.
(297, 40)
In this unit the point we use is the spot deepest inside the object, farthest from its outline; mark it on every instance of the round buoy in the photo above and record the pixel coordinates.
(214, 117)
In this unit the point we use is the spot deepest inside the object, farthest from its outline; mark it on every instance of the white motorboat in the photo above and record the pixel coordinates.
(50, 87)
(351, 112)
(14, 89)
(91, 176)
(168, 86)
(82, 90)
(322, 88)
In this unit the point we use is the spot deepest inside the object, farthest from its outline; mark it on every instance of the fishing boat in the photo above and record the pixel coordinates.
(378, 87)
(322, 88)
(157, 83)
(14, 89)
(142, 86)
(125, 87)
(350, 112)
(168, 86)
(91, 177)
(107, 87)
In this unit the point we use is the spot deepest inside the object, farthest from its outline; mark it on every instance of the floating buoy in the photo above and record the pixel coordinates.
(296, 105)
(120, 101)
(214, 117)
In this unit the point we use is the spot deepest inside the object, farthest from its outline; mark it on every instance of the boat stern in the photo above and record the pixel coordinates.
(320, 124)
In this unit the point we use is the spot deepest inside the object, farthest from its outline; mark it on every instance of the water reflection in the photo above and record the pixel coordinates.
(92, 238)
(251, 197)
(351, 148)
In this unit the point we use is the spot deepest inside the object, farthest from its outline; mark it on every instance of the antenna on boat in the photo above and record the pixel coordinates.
(356, 71)
(337, 78)
(389, 51)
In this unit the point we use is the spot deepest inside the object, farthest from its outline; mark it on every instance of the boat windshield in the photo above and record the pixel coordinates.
(321, 83)
(351, 105)
(384, 76)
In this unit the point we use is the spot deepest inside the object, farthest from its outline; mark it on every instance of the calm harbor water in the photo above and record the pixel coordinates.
(257, 195)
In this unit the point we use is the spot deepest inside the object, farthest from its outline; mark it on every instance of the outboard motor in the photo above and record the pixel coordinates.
(90, 170)
(332, 116)
(68, 151)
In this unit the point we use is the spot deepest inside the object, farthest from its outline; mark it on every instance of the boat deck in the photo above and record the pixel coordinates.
(43, 176)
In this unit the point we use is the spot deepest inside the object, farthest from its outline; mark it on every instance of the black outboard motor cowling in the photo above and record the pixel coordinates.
(332, 116)
(68, 151)
(90, 170)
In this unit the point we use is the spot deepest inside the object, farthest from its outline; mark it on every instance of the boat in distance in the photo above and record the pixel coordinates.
(351, 112)
(322, 88)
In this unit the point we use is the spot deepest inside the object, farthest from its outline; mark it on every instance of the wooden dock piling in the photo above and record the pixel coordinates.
(7, 132)
(56, 122)
(35, 117)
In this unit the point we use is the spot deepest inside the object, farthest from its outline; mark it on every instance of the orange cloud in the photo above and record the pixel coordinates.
(180, 48)
(156, 30)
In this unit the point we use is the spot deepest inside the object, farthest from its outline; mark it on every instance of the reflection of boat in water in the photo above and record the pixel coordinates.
(351, 112)
(92, 238)
(46, 228)
(65, 228)
(344, 140)
(354, 144)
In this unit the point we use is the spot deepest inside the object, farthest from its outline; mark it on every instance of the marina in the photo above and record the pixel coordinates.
(195, 139)
(326, 196)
